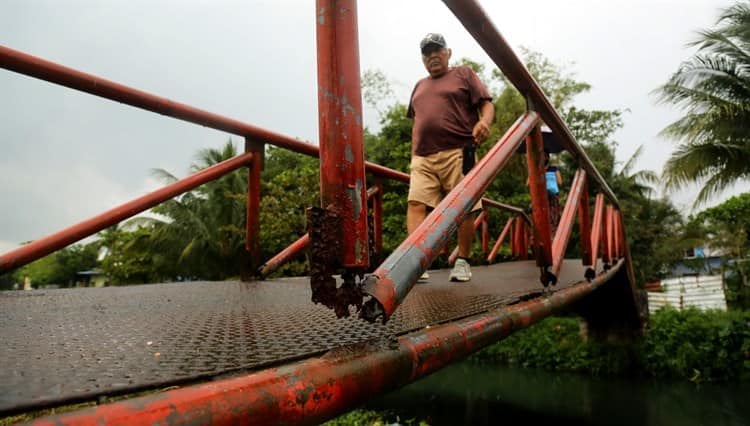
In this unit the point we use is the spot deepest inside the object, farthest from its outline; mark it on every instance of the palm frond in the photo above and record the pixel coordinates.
(164, 176)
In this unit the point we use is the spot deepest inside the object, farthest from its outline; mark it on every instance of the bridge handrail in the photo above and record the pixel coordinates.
(43, 69)
(46, 245)
(52, 72)
(480, 26)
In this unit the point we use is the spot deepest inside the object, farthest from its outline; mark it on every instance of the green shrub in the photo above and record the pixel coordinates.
(691, 344)
(699, 345)
(363, 417)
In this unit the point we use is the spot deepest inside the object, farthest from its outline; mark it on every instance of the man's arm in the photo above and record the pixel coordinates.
(486, 116)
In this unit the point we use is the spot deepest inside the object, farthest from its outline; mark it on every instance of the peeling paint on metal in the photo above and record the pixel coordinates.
(322, 16)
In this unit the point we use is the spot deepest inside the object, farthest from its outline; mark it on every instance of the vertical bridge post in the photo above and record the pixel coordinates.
(539, 204)
(342, 160)
(252, 218)
(339, 233)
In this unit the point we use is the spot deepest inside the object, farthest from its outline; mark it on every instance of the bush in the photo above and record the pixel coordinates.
(693, 345)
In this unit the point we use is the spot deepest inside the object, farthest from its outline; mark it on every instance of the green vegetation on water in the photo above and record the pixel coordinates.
(687, 345)
(364, 417)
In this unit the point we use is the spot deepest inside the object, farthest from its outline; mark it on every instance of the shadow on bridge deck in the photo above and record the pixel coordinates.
(69, 345)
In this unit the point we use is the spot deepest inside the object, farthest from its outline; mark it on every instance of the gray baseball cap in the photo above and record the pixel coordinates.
(432, 38)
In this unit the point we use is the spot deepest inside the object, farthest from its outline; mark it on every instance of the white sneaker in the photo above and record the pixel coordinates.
(461, 271)
(424, 277)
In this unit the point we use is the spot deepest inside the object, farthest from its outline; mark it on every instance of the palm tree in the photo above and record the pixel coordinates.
(713, 88)
(203, 228)
(628, 183)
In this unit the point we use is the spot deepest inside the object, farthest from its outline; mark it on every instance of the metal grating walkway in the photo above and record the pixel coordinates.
(62, 346)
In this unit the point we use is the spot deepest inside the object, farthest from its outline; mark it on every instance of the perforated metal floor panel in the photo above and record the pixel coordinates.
(62, 346)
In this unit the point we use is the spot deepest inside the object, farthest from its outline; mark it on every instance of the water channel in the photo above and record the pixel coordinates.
(476, 394)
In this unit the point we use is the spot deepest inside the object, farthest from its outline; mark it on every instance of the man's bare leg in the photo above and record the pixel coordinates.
(415, 214)
(465, 237)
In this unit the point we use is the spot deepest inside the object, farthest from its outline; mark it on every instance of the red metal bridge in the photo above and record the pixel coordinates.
(263, 351)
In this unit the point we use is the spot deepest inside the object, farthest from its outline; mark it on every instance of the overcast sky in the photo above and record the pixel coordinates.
(67, 155)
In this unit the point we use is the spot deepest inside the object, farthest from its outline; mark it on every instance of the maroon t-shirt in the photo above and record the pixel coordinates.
(444, 110)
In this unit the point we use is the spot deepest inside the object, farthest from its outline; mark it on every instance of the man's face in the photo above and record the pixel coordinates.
(435, 59)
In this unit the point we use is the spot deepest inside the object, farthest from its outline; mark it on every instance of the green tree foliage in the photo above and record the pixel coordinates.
(653, 225)
(203, 230)
(58, 268)
(390, 147)
(726, 228)
(200, 235)
(713, 88)
(132, 256)
(290, 184)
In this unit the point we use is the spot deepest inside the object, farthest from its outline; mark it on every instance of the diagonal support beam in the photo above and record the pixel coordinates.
(500, 240)
(480, 26)
(596, 233)
(562, 236)
(391, 281)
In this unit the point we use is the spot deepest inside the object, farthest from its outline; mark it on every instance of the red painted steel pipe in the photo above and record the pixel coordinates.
(539, 198)
(597, 229)
(284, 256)
(36, 67)
(485, 236)
(609, 214)
(317, 389)
(562, 236)
(391, 281)
(500, 239)
(252, 223)
(477, 223)
(603, 243)
(479, 25)
(385, 172)
(584, 224)
(342, 171)
(618, 234)
(60, 239)
(517, 238)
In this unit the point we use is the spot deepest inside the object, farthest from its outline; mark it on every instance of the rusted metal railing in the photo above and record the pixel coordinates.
(500, 239)
(36, 67)
(334, 383)
(44, 246)
(391, 281)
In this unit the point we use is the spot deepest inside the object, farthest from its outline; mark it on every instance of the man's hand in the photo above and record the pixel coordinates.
(480, 132)
(482, 128)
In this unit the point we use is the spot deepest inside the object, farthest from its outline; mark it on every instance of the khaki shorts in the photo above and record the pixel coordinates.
(434, 176)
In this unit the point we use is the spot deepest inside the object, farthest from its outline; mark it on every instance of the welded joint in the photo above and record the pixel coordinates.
(530, 107)
(258, 148)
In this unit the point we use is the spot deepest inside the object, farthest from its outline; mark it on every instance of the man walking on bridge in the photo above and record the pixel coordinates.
(452, 112)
